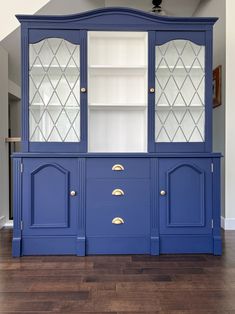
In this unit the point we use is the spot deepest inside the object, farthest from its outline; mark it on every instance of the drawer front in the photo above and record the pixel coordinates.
(118, 168)
(103, 207)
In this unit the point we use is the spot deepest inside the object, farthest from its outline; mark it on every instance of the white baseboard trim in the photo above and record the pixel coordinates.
(222, 222)
(9, 223)
(227, 223)
(2, 221)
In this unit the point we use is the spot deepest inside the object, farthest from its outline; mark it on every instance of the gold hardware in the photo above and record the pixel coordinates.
(152, 90)
(73, 193)
(162, 193)
(118, 167)
(83, 89)
(118, 192)
(117, 221)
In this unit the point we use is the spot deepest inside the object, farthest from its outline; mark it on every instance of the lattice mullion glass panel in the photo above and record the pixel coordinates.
(54, 93)
(180, 89)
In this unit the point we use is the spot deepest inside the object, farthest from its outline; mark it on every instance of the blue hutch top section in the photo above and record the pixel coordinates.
(38, 27)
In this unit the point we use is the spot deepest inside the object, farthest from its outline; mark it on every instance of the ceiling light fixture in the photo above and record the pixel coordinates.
(157, 9)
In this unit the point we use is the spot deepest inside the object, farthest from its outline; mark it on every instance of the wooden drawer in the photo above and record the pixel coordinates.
(118, 168)
(133, 207)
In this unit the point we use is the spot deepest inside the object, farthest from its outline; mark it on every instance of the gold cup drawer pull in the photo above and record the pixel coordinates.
(118, 167)
(117, 221)
(118, 192)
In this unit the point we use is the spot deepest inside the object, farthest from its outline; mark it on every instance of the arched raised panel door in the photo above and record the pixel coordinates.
(185, 192)
(49, 208)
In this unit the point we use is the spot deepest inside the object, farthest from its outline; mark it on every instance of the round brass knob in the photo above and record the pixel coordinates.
(83, 89)
(162, 193)
(73, 193)
(152, 90)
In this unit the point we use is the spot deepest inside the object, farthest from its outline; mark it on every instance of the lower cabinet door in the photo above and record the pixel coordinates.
(50, 200)
(185, 196)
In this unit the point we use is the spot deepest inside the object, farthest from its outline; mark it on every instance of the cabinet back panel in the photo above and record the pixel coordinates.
(117, 98)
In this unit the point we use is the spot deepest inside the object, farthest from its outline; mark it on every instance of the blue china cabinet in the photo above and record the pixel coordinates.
(116, 136)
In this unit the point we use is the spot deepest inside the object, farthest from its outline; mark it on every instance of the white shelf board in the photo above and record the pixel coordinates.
(118, 105)
(97, 106)
(94, 66)
(117, 34)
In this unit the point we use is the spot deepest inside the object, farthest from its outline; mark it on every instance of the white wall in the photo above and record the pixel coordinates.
(70, 6)
(230, 116)
(172, 7)
(217, 8)
(137, 4)
(14, 89)
(8, 10)
(4, 196)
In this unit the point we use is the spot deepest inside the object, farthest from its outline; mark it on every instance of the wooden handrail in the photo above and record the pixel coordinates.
(12, 139)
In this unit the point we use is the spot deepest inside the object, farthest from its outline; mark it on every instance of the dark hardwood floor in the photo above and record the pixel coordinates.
(117, 284)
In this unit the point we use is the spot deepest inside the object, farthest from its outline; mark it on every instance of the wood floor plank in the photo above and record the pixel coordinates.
(139, 284)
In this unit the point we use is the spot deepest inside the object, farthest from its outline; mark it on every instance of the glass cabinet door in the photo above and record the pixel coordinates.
(54, 92)
(179, 92)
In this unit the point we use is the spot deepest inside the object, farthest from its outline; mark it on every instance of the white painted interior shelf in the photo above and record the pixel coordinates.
(117, 98)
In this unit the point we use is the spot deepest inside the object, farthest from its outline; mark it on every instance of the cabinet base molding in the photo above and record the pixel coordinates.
(49, 245)
(175, 244)
(118, 245)
(217, 250)
(16, 247)
(155, 245)
(81, 246)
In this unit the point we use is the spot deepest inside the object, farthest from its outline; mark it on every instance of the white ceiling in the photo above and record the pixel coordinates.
(172, 7)
(12, 42)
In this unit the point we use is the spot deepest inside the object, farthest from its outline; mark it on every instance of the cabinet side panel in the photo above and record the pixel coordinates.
(25, 89)
(216, 208)
(16, 242)
(154, 218)
(81, 238)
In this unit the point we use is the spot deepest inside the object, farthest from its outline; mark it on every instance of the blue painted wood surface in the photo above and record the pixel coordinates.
(17, 203)
(48, 208)
(187, 206)
(52, 222)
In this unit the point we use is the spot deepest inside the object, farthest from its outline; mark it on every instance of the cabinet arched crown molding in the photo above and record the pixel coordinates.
(112, 17)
